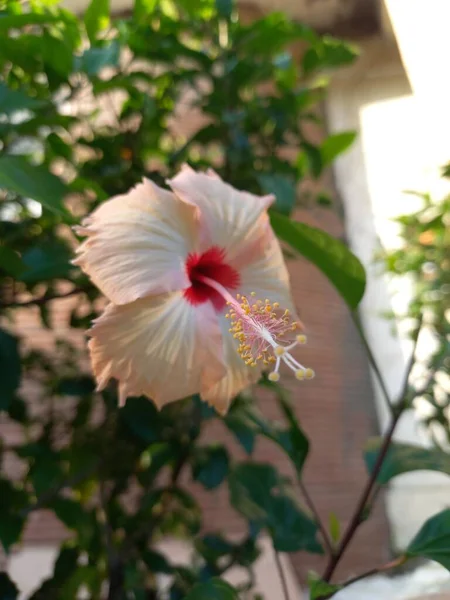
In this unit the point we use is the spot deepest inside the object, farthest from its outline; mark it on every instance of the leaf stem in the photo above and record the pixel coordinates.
(282, 575)
(310, 503)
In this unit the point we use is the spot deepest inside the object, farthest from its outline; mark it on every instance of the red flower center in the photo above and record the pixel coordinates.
(209, 264)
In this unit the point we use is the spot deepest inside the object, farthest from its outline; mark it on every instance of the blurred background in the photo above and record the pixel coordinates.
(372, 125)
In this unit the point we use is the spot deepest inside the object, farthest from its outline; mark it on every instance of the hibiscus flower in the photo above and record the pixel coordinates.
(195, 278)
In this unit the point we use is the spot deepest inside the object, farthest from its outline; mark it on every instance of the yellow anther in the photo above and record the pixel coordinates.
(279, 351)
(309, 373)
(301, 338)
(252, 293)
(274, 376)
(300, 374)
(276, 305)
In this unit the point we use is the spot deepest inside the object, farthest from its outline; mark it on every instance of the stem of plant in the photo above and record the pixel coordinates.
(375, 571)
(309, 501)
(281, 575)
(371, 487)
(372, 361)
(359, 511)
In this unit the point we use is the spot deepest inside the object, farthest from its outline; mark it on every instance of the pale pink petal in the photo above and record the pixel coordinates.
(267, 276)
(161, 347)
(137, 244)
(228, 218)
(238, 377)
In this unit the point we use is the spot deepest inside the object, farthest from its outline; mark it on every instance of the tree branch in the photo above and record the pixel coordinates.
(357, 518)
(43, 299)
(375, 571)
(397, 410)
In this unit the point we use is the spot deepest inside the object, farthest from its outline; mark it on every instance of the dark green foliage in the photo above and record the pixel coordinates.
(84, 458)
(433, 540)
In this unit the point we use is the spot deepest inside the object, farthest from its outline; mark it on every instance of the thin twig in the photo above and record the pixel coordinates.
(371, 485)
(356, 520)
(281, 575)
(43, 299)
(310, 503)
(375, 571)
(373, 362)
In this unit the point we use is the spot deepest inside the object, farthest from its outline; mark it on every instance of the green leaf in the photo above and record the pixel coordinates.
(18, 411)
(11, 262)
(14, 100)
(282, 187)
(433, 540)
(290, 528)
(243, 429)
(46, 472)
(65, 564)
(292, 440)
(224, 8)
(310, 159)
(335, 527)
(331, 256)
(31, 181)
(47, 261)
(156, 562)
(8, 21)
(10, 368)
(96, 18)
(298, 446)
(58, 146)
(403, 458)
(143, 8)
(10, 530)
(141, 417)
(215, 589)
(8, 589)
(93, 60)
(212, 547)
(69, 512)
(57, 54)
(335, 145)
(259, 494)
(210, 466)
(321, 589)
(81, 385)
